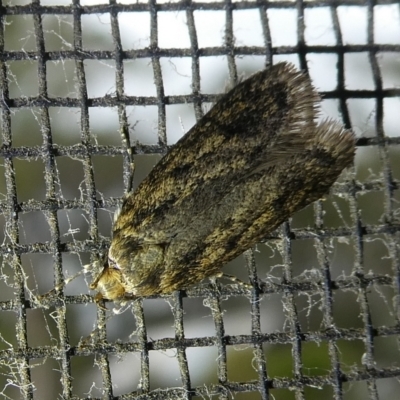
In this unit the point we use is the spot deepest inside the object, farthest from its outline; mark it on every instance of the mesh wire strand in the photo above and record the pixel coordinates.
(360, 281)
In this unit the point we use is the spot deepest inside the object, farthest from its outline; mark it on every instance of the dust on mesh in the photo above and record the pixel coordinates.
(325, 313)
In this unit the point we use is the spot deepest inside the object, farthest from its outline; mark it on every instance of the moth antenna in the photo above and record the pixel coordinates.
(71, 278)
(128, 157)
(60, 285)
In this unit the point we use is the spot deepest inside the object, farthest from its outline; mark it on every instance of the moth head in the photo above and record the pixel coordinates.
(109, 284)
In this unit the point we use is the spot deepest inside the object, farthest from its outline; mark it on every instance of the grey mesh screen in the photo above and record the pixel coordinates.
(321, 320)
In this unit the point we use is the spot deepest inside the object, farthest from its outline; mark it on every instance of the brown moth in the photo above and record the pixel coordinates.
(253, 160)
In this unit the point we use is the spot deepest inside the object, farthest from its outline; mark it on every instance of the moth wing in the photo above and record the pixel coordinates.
(258, 124)
(253, 160)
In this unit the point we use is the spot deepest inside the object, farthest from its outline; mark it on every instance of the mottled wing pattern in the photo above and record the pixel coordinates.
(255, 158)
(246, 131)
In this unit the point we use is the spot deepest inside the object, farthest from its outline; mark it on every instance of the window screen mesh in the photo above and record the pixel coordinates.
(323, 320)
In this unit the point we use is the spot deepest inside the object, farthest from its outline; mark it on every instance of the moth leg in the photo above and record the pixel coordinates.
(43, 298)
(125, 298)
(233, 279)
(99, 300)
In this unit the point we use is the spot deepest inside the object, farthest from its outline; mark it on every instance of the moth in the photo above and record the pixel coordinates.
(258, 156)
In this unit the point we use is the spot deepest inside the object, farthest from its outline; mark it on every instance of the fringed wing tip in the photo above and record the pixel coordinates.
(338, 141)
